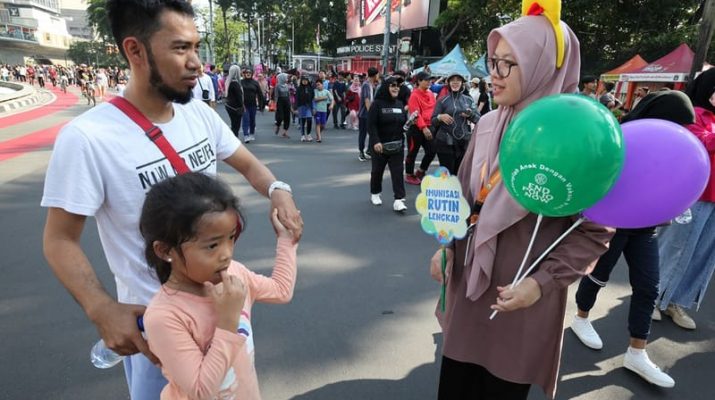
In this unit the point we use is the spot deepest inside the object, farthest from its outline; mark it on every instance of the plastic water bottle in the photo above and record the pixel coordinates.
(103, 357)
(410, 121)
(684, 218)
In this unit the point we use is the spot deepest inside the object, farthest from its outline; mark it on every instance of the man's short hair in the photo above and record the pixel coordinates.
(140, 18)
(588, 79)
(609, 86)
(372, 72)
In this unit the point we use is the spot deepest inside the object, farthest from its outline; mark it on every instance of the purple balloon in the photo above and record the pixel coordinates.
(665, 171)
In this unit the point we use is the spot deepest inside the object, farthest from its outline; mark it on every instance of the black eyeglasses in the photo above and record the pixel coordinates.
(501, 66)
(395, 85)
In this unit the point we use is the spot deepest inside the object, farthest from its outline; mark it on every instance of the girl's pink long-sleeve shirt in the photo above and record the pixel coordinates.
(200, 360)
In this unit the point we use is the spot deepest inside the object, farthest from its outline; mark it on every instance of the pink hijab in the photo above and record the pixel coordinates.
(533, 44)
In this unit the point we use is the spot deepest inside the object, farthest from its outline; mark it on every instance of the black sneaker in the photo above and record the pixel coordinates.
(362, 157)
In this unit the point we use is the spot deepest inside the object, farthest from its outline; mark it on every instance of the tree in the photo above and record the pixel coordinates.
(94, 53)
(98, 19)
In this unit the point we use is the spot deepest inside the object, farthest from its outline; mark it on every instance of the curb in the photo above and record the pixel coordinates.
(39, 96)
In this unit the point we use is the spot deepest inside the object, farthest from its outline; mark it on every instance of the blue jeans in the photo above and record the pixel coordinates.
(144, 378)
(687, 254)
(640, 247)
(249, 121)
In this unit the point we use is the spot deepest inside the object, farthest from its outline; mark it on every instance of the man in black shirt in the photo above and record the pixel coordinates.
(338, 89)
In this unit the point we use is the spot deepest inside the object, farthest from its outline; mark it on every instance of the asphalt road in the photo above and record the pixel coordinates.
(361, 323)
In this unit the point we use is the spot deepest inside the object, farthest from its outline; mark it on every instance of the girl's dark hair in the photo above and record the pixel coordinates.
(482, 86)
(173, 208)
(140, 18)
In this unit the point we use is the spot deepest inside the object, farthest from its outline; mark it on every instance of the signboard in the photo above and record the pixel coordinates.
(654, 77)
(367, 18)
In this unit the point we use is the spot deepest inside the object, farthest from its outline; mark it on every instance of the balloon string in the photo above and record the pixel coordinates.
(541, 257)
(528, 249)
(443, 295)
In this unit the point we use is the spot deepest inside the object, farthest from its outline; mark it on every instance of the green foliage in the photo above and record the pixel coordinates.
(94, 53)
(610, 31)
(97, 18)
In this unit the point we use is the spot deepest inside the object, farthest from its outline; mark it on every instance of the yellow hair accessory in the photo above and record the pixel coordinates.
(551, 9)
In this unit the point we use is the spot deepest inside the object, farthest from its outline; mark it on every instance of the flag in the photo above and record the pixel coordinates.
(317, 36)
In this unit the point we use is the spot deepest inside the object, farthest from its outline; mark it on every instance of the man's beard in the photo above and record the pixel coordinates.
(168, 92)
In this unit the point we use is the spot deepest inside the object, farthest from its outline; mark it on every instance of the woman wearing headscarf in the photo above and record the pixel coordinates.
(687, 251)
(233, 92)
(352, 102)
(503, 357)
(451, 121)
(640, 248)
(263, 84)
(385, 120)
(283, 109)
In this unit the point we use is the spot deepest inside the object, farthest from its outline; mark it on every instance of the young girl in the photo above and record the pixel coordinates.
(199, 323)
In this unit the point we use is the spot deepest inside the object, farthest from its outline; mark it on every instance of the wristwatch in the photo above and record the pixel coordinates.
(280, 185)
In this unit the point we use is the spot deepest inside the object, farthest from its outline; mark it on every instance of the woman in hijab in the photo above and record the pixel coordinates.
(640, 248)
(233, 92)
(283, 108)
(451, 121)
(503, 357)
(352, 102)
(687, 251)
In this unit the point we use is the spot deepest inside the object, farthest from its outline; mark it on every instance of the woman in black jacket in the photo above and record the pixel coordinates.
(385, 122)
(234, 98)
(452, 120)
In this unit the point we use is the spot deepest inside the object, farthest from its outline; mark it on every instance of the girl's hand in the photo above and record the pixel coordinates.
(523, 295)
(435, 266)
(228, 298)
(280, 229)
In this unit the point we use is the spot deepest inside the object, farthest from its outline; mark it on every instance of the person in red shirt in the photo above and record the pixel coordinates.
(421, 101)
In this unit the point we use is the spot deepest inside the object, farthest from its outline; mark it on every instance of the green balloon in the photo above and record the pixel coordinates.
(561, 155)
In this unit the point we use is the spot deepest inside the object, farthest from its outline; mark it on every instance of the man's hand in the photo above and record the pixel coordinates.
(523, 295)
(117, 325)
(288, 213)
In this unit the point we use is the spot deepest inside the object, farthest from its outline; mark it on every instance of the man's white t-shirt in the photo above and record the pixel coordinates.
(103, 165)
(204, 82)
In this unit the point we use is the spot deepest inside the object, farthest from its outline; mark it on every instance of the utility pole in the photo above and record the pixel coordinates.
(398, 40)
(211, 33)
(705, 34)
(386, 42)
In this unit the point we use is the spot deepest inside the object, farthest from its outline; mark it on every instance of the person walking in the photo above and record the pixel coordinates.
(113, 164)
(234, 99)
(640, 248)
(252, 102)
(422, 102)
(367, 95)
(352, 102)
(323, 101)
(501, 358)
(687, 251)
(452, 121)
(281, 93)
(305, 108)
(386, 118)
(339, 90)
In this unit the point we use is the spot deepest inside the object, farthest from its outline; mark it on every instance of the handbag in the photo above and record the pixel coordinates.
(394, 147)
(204, 92)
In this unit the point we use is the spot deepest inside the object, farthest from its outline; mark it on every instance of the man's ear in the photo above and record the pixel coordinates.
(135, 50)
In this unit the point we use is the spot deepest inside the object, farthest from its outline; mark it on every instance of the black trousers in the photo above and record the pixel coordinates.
(283, 112)
(362, 134)
(465, 381)
(342, 110)
(394, 161)
(236, 116)
(415, 140)
(450, 156)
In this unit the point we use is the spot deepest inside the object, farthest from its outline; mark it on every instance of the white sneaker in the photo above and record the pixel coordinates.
(252, 137)
(656, 316)
(584, 331)
(399, 205)
(376, 200)
(679, 316)
(637, 361)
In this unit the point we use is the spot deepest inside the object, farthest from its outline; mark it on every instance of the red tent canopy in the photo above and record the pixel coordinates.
(632, 65)
(673, 67)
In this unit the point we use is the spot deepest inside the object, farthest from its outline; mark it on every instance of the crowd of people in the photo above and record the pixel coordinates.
(170, 243)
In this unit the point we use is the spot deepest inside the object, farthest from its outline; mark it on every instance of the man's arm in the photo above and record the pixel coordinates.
(261, 178)
(115, 322)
